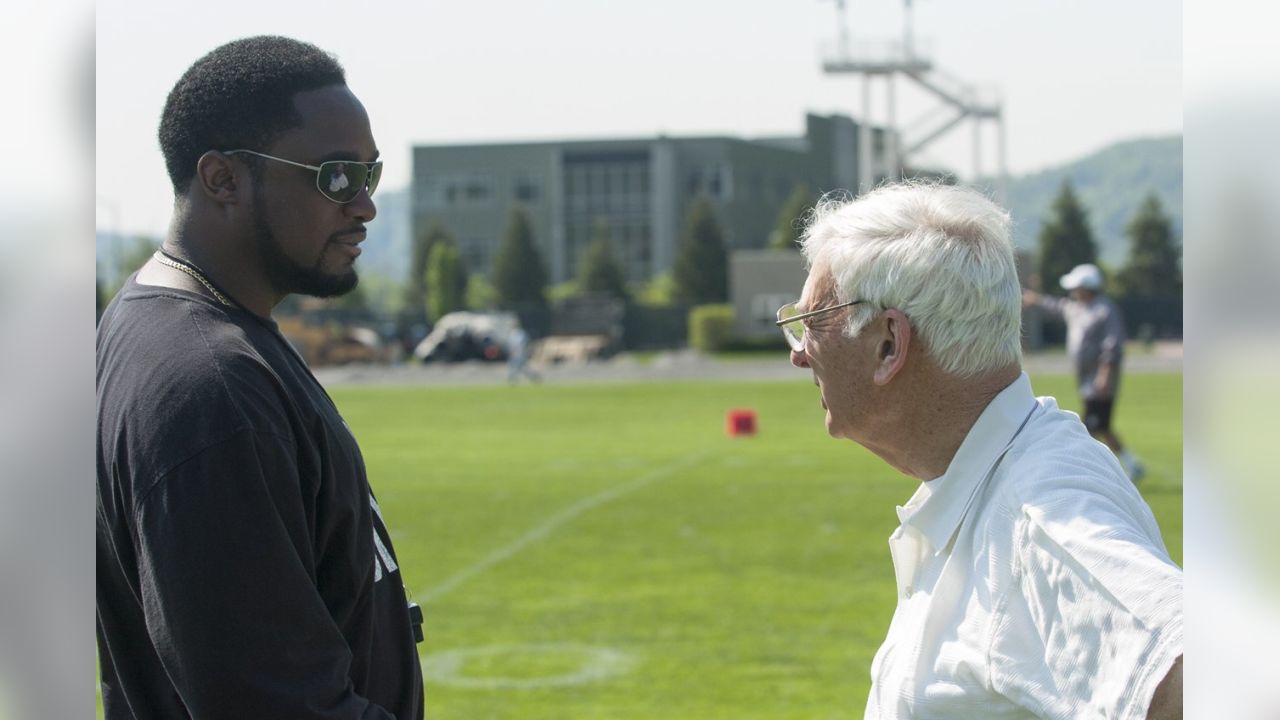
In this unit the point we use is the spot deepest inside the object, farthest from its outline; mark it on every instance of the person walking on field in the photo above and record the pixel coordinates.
(518, 356)
(1095, 342)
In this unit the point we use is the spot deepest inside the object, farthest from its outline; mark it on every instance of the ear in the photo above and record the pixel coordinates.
(218, 179)
(893, 345)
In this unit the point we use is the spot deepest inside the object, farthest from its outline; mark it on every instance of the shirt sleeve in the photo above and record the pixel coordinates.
(1054, 306)
(1094, 620)
(229, 593)
(1111, 344)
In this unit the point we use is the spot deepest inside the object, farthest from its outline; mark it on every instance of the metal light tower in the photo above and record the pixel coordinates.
(960, 101)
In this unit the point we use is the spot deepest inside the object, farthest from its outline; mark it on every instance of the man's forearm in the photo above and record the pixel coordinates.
(1103, 382)
(1166, 702)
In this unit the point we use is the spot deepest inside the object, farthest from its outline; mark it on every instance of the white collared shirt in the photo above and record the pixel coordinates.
(1032, 580)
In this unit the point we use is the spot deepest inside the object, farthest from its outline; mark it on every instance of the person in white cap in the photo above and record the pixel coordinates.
(1095, 341)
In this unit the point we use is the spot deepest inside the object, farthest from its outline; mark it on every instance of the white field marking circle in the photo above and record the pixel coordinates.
(448, 667)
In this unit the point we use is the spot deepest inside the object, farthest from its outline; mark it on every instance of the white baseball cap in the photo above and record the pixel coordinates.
(1086, 276)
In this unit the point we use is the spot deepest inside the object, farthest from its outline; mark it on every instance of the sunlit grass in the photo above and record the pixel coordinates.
(734, 577)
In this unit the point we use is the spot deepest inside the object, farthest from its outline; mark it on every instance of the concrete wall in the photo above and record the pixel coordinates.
(761, 281)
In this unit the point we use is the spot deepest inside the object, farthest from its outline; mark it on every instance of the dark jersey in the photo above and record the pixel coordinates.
(243, 567)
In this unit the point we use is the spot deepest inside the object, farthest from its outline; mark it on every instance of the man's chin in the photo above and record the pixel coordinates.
(832, 429)
(327, 286)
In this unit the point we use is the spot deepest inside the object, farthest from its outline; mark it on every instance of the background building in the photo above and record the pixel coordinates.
(640, 187)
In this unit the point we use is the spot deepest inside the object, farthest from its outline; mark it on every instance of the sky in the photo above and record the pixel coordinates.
(1073, 76)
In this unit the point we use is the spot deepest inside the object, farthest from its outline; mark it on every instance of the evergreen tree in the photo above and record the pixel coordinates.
(557, 293)
(1065, 239)
(518, 273)
(480, 293)
(658, 291)
(701, 267)
(599, 272)
(380, 294)
(357, 299)
(1152, 270)
(786, 233)
(446, 280)
(424, 238)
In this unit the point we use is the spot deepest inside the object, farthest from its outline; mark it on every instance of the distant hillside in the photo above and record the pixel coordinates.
(1111, 183)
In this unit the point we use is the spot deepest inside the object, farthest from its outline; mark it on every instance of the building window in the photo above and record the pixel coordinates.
(617, 187)
(763, 310)
(713, 183)
(478, 191)
(526, 190)
(714, 180)
(462, 190)
(431, 194)
(613, 185)
(577, 187)
(695, 182)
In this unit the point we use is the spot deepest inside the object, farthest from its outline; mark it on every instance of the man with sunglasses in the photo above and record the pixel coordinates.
(1032, 579)
(244, 569)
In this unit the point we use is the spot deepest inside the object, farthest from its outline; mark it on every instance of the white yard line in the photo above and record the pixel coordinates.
(553, 523)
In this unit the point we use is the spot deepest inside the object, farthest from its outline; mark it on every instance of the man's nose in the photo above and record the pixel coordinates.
(362, 207)
(799, 359)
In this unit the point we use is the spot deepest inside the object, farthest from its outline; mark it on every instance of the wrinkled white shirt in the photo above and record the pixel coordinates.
(1032, 580)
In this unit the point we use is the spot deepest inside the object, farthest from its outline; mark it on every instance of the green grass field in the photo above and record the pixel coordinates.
(605, 551)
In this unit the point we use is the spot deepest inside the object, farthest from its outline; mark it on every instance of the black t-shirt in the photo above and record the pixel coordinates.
(243, 568)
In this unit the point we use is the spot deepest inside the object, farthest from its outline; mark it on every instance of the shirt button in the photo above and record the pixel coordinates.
(910, 591)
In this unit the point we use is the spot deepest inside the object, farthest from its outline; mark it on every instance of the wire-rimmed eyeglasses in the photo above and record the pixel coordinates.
(790, 319)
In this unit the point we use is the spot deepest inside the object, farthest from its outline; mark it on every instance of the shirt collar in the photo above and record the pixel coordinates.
(939, 505)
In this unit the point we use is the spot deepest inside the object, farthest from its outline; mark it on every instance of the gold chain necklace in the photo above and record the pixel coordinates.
(193, 272)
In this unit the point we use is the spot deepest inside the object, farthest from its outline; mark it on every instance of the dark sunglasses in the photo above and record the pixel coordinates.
(338, 180)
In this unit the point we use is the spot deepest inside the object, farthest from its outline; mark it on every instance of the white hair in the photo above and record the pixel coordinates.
(940, 254)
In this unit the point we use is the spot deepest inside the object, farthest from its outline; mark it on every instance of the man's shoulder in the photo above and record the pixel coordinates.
(1057, 476)
(179, 378)
(172, 339)
(176, 371)
(1055, 447)
(1051, 455)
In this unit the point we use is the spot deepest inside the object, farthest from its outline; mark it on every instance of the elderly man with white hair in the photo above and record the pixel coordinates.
(1032, 578)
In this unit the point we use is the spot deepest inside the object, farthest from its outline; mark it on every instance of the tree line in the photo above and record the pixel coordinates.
(440, 283)
(1154, 265)
(1153, 268)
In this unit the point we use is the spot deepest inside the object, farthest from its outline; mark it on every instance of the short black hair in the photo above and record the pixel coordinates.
(240, 95)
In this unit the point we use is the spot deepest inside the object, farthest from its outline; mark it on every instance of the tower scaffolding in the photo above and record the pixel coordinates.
(959, 101)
